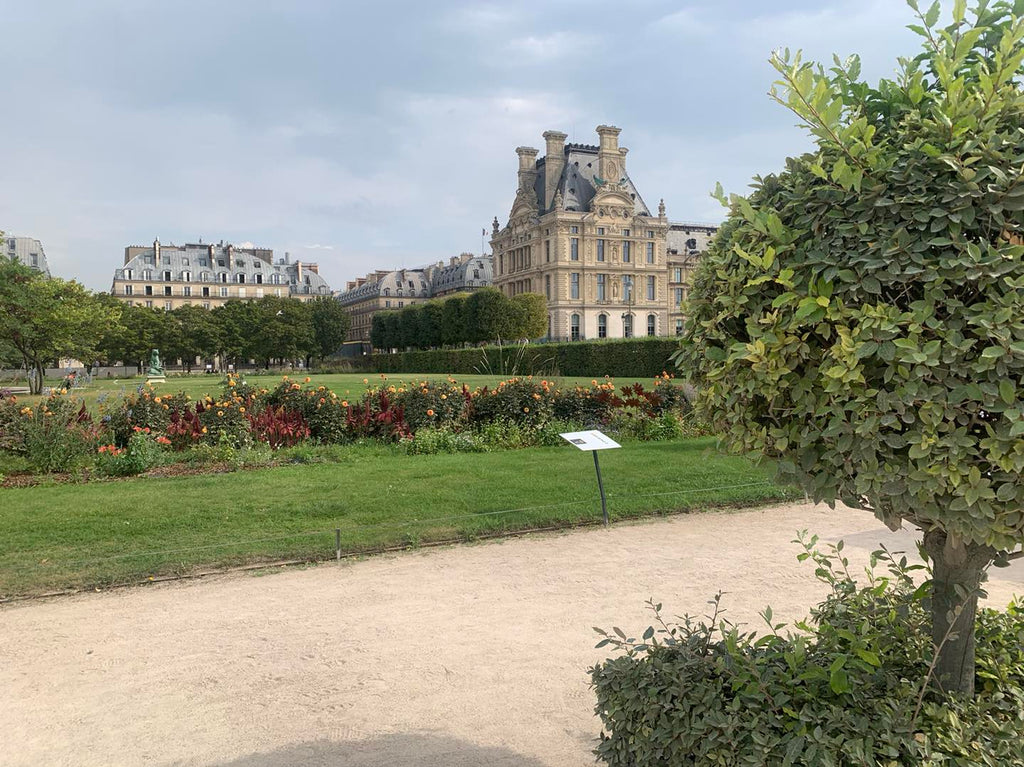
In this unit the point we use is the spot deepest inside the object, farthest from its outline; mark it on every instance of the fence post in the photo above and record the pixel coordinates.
(337, 544)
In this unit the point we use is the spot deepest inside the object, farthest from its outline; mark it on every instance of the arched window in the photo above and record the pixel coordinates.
(627, 325)
(602, 326)
(574, 327)
(387, 291)
(652, 324)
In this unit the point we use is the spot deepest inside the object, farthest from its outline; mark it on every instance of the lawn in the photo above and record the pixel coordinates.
(102, 533)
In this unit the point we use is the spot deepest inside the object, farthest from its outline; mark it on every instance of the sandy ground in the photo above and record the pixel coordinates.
(471, 655)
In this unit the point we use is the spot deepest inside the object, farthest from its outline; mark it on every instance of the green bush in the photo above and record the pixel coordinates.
(55, 436)
(625, 358)
(850, 688)
(141, 454)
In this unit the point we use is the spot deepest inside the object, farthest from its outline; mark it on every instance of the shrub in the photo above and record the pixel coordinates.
(141, 454)
(852, 688)
(144, 408)
(430, 403)
(521, 400)
(278, 427)
(56, 435)
(431, 441)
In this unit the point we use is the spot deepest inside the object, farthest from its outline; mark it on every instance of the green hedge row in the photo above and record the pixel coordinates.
(626, 358)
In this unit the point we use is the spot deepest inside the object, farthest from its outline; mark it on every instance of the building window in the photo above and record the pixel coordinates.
(677, 275)
(602, 326)
(206, 292)
(167, 276)
(401, 304)
(678, 296)
(241, 279)
(168, 306)
(627, 325)
(650, 234)
(600, 230)
(547, 251)
(387, 291)
(127, 290)
(223, 292)
(259, 279)
(147, 274)
(149, 290)
(625, 252)
(223, 276)
(652, 324)
(600, 250)
(127, 272)
(601, 283)
(149, 304)
(206, 304)
(574, 285)
(187, 290)
(387, 304)
(650, 288)
(547, 286)
(574, 327)
(574, 248)
(625, 233)
(679, 326)
(650, 252)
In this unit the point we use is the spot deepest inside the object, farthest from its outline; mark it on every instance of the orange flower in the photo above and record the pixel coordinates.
(307, 379)
(430, 413)
(220, 413)
(344, 403)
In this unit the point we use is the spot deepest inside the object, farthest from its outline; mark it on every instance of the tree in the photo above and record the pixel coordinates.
(189, 332)
(529, 316)
(331, 323)
(378, 331)
(282, 329)
(487, 315)
(860, 317)
(236, 321)
(453, 320)
(138, 331)
(431, 322)
(43, 319)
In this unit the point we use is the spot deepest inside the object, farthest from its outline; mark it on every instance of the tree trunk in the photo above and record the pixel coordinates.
(36, 384)
(957, 571)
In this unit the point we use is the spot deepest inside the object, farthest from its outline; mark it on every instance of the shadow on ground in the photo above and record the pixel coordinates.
(402, 750)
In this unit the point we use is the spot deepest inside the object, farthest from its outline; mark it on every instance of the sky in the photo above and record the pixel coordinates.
(382, 135)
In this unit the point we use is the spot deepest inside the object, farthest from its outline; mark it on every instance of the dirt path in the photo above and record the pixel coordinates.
(473, 655)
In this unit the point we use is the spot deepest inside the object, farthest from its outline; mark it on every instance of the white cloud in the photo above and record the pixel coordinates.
(545, 49)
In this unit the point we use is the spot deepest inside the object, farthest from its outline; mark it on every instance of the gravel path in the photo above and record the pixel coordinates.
(470, 655)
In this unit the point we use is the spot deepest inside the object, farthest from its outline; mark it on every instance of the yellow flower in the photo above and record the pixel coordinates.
(526, 410)
(444, 396)
(241, 410)
(366, 380)
(157, 400)
(536, 396)
(220, 413)
(204, 430)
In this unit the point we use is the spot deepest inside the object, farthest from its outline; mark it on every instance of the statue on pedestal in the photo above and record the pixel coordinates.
(156, 370)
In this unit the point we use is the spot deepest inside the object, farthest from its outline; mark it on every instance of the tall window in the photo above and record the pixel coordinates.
(574, 249)
(626, 252)
(627, 288)
(574, 230)
(678, 294)
(223, 292)
(601, 280)
(167, 290)
(650, 252)
(679, 326)
(652, 322)
(187, 290)
(600, 250)
(127, 272)
(602, 326)
(677, 275)
(574, 327)
(547, 250)
(206, 292)
(167, 275)
(547, 286)
(627, 326)
(168, 306)
(186, 276)
(650, 288)
(574, 285)
(127, 290)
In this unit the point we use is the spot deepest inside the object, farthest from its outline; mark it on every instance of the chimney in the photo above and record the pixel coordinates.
(554, 164)
(209, 249)
(453, 261)
(610, 159)
(527, 167)
(298, 272)
(156, 250)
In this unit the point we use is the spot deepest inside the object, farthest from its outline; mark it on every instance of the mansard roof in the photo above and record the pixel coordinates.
(577, 182)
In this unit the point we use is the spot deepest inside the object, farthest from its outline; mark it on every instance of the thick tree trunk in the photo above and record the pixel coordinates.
(36, 384)
(957, 571)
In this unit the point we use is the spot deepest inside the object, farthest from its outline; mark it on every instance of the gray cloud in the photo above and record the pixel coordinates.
(386, 130)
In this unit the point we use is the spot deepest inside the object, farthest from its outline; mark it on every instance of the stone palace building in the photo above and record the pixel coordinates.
(580, 234)
(208, 275)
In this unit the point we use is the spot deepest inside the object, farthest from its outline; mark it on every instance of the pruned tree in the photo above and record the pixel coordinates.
(860, 317)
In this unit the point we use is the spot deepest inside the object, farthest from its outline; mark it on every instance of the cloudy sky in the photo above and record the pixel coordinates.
(371, 135)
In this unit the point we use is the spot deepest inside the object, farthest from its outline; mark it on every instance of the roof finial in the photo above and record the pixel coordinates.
(661, 208)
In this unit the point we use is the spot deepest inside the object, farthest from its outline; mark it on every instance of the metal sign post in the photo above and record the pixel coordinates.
(593, 441)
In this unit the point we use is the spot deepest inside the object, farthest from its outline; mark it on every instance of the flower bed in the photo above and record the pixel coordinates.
(146, 429)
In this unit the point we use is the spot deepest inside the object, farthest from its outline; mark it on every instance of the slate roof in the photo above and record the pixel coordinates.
(577, 181)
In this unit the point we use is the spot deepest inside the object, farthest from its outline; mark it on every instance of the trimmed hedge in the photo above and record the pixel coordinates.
(628, 358)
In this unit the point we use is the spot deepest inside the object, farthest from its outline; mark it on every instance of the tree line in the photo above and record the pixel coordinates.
(484, 315)
(45, 319)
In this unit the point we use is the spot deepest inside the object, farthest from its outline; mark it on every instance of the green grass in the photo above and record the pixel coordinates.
(341, 383)
(102, 533)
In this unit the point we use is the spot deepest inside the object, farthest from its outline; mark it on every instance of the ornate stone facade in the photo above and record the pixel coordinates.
(207, 275)
(580, 234)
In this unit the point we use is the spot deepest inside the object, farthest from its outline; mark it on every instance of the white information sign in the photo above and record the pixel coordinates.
(590, 440)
